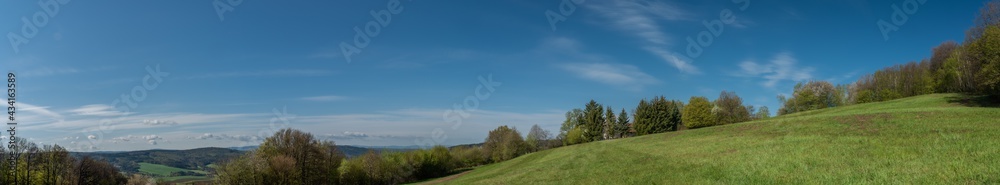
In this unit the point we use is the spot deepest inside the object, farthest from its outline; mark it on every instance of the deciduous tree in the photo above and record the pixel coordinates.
(698, 113)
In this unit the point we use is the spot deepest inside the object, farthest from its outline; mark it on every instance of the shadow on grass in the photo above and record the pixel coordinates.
(975, 100)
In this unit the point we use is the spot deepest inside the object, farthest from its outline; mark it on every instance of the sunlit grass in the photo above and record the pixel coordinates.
(918, 140)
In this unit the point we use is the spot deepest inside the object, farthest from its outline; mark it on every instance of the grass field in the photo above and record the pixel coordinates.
(164, 172)
(930, 139)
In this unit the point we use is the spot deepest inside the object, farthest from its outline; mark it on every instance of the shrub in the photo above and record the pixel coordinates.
(698, 113)
(352, 171)
(574, 136)
(468, 156)
(435, 162)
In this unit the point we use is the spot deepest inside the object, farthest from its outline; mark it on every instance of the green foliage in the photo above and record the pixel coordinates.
(469, 156)
(698, 113)
(315, 161)
(593, 121)
(376, 170)
(158, 170)
(435, 162)
(288, 157)
(971, 67)
(198, 158)
(609, 122)
(97, 171)
(53, 164)
(353, 170)
(504, 143)
(988, 49)
(729, 109)
(621, 128)
(949, 76)
(813, 95)
(657, 116)
(573, 120)
(762, 113)
(295, 157)
(574, 136)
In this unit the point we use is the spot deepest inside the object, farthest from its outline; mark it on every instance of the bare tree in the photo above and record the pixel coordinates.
(538, 138)
(989, 15)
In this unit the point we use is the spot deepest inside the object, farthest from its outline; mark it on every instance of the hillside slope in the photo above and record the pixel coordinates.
(930, 139)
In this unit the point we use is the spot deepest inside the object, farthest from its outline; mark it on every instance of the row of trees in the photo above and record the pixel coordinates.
(295, 157)
(814, 95)
(727, 109)
(53, 164)
(971, 67)
(287, 157)
(656, 115)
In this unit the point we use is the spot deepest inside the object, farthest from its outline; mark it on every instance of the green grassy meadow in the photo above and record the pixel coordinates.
(164, 171)
(929, 139)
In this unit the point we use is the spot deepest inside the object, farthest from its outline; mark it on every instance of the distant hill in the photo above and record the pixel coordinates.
(197, 159)
(349, 150)
(188, 159)
(467, 145)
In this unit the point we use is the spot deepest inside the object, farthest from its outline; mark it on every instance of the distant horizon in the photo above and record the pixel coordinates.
(255, 146)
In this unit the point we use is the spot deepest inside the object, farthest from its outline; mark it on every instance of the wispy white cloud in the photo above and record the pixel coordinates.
(158, 122)
(622, 75)
(674, 59)
(325, 98)
(146, 131)
(150, 139)
(39, 111)
(238, 137)
(354, 136)
(640, 18)
(592, 66)
(781, 68)
(97, 110)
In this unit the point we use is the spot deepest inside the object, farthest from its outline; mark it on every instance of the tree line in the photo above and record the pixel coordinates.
(53, 164)
(971, 67)
(655, 115)
(295, 157)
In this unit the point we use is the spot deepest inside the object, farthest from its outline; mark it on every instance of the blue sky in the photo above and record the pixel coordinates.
(223, 80)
